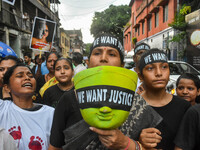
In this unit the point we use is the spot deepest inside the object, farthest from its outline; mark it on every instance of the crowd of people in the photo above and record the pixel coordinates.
(38, 102)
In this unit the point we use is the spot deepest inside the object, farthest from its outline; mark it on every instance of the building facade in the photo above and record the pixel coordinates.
(76, 41)
(16, 22)
(64, 43)
(149, 23)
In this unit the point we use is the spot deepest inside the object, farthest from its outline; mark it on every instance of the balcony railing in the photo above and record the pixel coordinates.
(14, 20)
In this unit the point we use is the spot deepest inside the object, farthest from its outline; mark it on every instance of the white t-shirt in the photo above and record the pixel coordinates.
(30, 129)
(79, 68)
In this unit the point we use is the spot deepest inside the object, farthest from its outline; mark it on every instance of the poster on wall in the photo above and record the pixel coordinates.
(193, 41)
(42, 34)
(11, 2)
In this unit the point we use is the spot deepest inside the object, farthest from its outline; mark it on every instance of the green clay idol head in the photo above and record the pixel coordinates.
(105, 95)
(104, 117)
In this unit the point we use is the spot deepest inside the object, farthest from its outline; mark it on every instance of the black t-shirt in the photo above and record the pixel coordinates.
(40, 82)
(52, 95)
(66, 114)
(172, 114)
(188, 136)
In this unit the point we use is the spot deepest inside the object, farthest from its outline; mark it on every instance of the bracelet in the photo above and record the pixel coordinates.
(129, 140)
(139, 144)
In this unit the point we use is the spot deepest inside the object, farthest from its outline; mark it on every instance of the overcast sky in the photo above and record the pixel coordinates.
(78, 14)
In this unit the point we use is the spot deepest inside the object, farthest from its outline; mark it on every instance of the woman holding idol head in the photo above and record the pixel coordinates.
(106, 51)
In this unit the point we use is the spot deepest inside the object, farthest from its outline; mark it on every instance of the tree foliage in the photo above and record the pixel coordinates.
(87, 49)
(180, 25)
(193, 3)
(111, 20)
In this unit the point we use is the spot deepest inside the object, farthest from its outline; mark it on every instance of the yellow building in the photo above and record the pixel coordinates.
(64, 43)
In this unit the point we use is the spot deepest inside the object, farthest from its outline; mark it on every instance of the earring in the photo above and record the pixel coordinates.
(34, 97)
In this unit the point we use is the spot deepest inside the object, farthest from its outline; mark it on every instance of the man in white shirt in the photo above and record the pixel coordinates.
(77, 59)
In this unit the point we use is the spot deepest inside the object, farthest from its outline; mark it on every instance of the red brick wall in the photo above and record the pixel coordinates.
(142, 12)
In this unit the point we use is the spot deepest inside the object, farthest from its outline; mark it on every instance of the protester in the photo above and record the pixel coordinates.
(188, 136)
(154, 72)
(67, 112)
(29, 123)
(5, 64)
(63, 73)
(77, 59)
(138, 51)
(50, 60)
(188, 87)
(27, 60)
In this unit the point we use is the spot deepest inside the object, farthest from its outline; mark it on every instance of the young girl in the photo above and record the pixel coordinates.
(188, 87)
(29, 123)
(63, 73)
(154, 72)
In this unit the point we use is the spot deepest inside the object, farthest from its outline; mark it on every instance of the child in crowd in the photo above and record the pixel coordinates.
(188, 136)
(188, 87)
(154, 72)
(63, 73)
